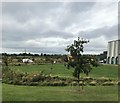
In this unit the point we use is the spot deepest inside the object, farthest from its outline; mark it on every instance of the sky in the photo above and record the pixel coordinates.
(48, 27)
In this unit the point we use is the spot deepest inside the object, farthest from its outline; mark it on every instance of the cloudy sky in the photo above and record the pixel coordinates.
(48, 27)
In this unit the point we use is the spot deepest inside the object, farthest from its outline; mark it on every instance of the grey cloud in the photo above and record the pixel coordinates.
(15, 7)
(22, 35)
(75, 13)
(55, 50)
(24, 11)
(57, 34)
(107, 32)
(77, 7)
(63, 15)
(31, 21)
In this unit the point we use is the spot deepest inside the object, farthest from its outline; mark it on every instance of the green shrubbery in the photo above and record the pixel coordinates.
(93, 83)
(108, 83)
(40, 79)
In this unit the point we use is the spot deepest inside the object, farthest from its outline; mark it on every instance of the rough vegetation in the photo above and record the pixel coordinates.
(41, 79)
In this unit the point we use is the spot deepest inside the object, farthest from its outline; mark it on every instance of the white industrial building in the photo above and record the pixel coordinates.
(113, 52)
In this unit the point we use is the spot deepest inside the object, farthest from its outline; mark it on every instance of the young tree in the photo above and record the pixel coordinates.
(80, 63)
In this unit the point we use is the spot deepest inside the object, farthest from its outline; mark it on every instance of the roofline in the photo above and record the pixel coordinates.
(113, 41)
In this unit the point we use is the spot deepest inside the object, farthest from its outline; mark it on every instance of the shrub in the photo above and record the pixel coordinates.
(81, 83)
(103, 79)
(93, 83)
(59, 83)
(7, 76)
(88, 79)
(44, 83)
(108, 83)
(18, 75)
(73, 83)
(118, 83)
(33, 79)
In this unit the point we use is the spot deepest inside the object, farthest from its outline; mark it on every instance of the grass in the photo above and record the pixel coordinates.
(0, 91)
(110, 71)
(62, 93)
(58, 69)
(66, 93)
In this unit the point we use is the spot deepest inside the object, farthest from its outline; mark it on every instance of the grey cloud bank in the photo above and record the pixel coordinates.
(48, 27)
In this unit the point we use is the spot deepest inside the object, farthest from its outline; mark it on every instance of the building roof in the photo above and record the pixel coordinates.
(114, 40)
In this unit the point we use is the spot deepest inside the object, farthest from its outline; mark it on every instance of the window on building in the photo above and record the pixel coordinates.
(116, 60)
(112, 60)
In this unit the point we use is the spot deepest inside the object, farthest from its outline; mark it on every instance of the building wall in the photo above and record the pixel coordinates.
(119, 52)
(113, 51)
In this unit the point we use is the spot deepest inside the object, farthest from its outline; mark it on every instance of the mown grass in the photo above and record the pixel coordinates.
(0, 91)
(65, 93)
(110, 71)
(58, 69)
(62, 93)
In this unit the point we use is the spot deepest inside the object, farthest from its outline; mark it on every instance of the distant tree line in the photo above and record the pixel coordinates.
(30, 54)
(101, 56)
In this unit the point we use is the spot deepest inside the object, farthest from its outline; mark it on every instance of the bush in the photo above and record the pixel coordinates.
(73, 83)
(108, 83)
(93, 83)
(7, 76)
(33, 79)
(118, 83)
(103, 79)
(44, 83)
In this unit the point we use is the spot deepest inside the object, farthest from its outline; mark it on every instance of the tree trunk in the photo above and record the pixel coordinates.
(79, 81)
(82, 84)
(78, 77)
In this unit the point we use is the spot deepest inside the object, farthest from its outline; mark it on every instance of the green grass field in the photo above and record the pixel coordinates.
(110, 71)
(65, 93)
(62, 93)
(0, 91)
